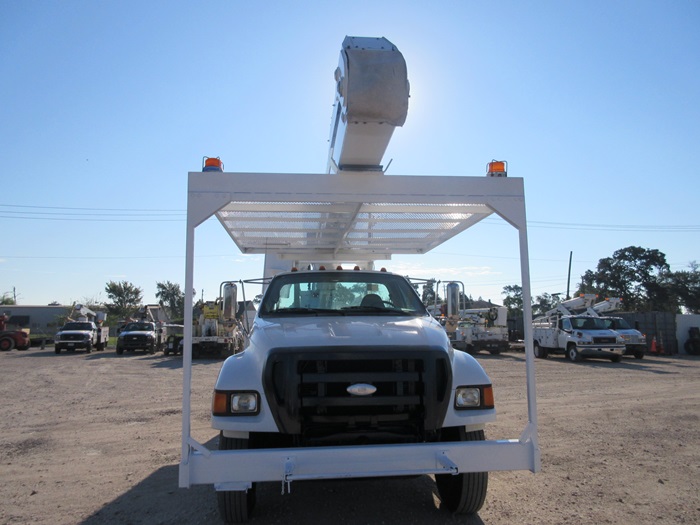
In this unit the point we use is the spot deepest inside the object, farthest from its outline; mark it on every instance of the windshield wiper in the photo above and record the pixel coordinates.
(300, 310)
(376, 309)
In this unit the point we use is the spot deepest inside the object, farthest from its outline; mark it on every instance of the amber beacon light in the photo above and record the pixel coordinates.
(497, 168)
(212, 164)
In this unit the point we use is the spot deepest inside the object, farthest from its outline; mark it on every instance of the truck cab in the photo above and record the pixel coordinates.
(351, 358)
(84, 335)
(139, 335)
(635, 341)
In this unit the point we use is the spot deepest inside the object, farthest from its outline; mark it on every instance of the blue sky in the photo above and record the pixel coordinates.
(106, 106)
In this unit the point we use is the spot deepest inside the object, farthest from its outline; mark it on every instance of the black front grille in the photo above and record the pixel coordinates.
(308, 393)
(604, 340)
(72, 337)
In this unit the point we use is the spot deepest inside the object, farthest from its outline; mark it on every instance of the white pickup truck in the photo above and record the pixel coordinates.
(85, 335)
(140, 335)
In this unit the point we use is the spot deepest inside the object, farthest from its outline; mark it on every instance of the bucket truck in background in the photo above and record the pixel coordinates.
(148, 329)
(562, 331)
(484, 329)
(219, 329)
(635, 341)
(475, 329)
(83, 329)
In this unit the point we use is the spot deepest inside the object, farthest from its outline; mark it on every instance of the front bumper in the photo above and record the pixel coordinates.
(600, 351)
(71, 345)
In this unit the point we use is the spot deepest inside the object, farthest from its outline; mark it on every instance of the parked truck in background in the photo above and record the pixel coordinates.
(219, 330)
(483, 329)
(475, 329)
(635, 341)
(84, 329)
(10, 339)
(577, 336)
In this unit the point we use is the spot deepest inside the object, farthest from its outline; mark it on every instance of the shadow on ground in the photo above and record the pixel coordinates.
(406, 501)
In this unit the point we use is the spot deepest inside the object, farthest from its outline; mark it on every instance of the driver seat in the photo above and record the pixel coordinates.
(372, 299)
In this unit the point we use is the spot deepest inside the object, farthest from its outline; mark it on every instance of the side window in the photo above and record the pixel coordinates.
(565, 324)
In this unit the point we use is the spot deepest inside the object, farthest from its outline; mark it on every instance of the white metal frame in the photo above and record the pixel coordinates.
(337, 217)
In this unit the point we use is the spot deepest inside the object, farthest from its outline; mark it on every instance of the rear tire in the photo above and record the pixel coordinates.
(235, 506)
(462, 493)
(540, 353)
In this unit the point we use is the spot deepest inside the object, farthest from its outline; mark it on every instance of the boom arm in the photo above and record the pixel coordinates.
(371, 100)
(568, 307)
(609, 305)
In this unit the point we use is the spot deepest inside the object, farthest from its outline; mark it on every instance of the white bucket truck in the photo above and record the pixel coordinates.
(344, 373)
(561, 331)
(635, 341)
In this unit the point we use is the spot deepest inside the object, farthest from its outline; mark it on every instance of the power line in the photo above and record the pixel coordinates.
(153, 213)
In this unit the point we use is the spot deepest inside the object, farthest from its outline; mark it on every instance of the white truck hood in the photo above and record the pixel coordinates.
(349, 330)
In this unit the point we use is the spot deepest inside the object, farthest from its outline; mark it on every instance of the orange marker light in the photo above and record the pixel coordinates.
(218, 403)
(487, 401)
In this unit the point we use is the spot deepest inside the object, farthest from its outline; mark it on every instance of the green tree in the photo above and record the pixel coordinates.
(640, 276)
(686, 286)
(513, 300)
(428, 296)
(544, 303)
(126, 298)
(173, 298)
(7, 298)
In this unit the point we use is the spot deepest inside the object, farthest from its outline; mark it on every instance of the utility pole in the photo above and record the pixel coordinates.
(568, 279)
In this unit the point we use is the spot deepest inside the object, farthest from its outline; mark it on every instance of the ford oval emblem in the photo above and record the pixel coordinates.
(361, 389)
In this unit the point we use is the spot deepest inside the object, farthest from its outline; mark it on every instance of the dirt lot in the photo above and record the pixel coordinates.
(95, 438)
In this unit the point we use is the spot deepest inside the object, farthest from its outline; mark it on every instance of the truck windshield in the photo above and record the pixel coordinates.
(616, 324)
(588, 323)
(138, 327)
(77, 326)
(340, 293)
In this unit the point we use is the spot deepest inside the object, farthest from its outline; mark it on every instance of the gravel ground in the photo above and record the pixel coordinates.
(95, 439)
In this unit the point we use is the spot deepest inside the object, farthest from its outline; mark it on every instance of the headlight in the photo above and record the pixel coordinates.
(474, 397)
(226, 403)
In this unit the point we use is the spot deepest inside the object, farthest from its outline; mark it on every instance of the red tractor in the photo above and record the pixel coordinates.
(10, 339)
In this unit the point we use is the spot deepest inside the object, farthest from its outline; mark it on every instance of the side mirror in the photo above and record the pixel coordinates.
(229, 293)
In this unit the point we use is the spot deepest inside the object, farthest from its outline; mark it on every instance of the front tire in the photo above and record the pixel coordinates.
(7, 344)
(462, 493)
(235, 506)
(120, 350)
(573, 354)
